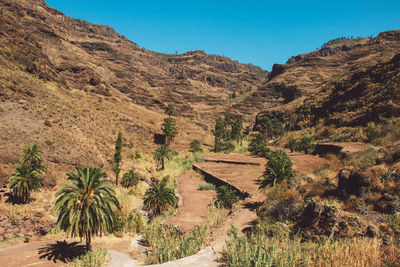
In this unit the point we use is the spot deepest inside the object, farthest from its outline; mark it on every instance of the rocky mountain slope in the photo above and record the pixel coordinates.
(70, 86)
(346, 82)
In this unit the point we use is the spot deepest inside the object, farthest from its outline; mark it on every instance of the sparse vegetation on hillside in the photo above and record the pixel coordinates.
(195, 146)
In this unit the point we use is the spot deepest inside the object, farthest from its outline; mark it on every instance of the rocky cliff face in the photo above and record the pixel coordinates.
(70, 86)
(348, 82)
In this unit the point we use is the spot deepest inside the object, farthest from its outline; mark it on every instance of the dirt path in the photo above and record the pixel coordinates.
(194, 210)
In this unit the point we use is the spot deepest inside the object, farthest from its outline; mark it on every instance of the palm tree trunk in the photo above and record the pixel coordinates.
(162, 163)
(88, 242)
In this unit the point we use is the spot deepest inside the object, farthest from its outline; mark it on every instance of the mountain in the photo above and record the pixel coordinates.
(346, 82)
(70, 86)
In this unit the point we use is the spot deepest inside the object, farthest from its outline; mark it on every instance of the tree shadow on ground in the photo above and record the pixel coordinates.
(253, 206)
(11, 199)
(62, 251)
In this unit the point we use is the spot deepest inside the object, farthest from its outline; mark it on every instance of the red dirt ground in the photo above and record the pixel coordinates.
(194, 210)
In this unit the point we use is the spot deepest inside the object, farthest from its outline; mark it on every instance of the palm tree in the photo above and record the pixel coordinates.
(279, 168)
(84, 206)
(307, 144)
(23, 181)
(131, 178)
(32, 156)
(292, 144)
(159, 197)
(161, 154)
(226, 196)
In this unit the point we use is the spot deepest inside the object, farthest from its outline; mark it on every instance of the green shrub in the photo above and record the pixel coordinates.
(95, 258)
(306, 144)
(207, 187)
(292, 144)
(226, 197)
(169, 243)
(130, 178)
(258, 146)
(195, 146)
(133, 223)
(394, 221)
(365, 159)
(373, 134)
(279, 168)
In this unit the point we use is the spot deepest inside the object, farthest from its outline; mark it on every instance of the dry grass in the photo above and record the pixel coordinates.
(261, 250)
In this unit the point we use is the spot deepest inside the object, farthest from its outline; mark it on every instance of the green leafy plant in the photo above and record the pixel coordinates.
(226, 197)
(170, 110)
(159, 197)
(387, 175)
(96, 258)
(117, 156)
(258, 146)
(161, 154)
(292, 144)
(23, 181)
(169, 243)
(373, 134)
(130, 178)
(195, 146)
(207, 187)
(278, 169)
(306, 144)
(32, 157)
(84, 206)
(169, 129)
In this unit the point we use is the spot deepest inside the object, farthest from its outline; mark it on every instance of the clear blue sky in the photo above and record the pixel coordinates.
(257, 32)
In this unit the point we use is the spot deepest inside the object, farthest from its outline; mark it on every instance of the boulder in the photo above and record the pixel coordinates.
(355, 182)
(388, 204)
(310, 214)
(372, 231)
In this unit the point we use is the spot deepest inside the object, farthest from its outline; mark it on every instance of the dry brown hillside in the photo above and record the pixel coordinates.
(327, 83)
(70, 86)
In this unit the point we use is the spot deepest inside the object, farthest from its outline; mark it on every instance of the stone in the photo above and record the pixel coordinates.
(310, 214)
(372, 231)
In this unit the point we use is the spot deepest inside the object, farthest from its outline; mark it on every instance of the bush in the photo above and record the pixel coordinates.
(226, 197)
(394, 221)
(95, 258)
(372, 133)
(292, 144)
(259, 249)
(306, 144)
(169, 243)
(195, 146)
(133, 223)
(279, 168)
(207, 187)
(130, 179)
(258, 146)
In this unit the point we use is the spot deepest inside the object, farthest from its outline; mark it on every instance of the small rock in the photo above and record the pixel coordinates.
(372, 231)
